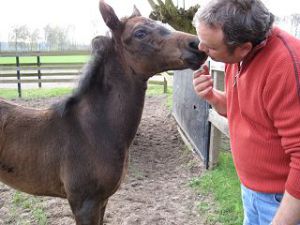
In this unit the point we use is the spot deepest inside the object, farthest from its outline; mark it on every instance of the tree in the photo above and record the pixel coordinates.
(51, 37)
(57, 37)
(178, 18)
(62, 38)
(34, 37)
(19, 36)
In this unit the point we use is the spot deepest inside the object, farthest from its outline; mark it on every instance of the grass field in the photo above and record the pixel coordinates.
(38, 93)
(10, 93)
(46, 59)
(223, 185)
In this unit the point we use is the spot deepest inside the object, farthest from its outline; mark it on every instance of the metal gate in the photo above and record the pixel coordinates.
(191, 113)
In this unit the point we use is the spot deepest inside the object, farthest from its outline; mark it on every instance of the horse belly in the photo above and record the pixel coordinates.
(31, 178)
(33, 187)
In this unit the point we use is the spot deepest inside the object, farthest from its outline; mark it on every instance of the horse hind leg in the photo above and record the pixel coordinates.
(88, 211)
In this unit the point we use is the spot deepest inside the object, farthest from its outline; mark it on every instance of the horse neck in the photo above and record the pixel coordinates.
(115, 108)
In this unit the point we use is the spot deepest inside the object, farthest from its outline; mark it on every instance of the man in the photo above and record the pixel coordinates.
(261, 101)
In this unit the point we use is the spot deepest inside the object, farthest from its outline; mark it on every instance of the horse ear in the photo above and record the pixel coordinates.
(136, 12)
(109, 16)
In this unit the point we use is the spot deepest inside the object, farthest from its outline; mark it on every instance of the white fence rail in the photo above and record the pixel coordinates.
(219, 124)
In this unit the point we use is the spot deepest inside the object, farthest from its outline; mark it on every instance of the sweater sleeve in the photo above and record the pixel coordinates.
(282, 103)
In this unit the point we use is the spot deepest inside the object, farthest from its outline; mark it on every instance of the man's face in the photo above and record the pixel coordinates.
(212, 43)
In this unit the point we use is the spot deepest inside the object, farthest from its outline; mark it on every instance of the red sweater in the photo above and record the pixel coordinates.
(263, 110)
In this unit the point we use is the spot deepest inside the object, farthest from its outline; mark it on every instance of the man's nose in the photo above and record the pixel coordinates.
(202, 47)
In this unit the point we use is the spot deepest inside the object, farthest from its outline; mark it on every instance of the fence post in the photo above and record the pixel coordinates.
(165, 85)
(18, 76)
(214, 146)
(218, 124)
(39, 70)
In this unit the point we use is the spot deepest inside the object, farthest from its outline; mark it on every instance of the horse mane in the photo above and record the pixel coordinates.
(102, 47)
(92, 74)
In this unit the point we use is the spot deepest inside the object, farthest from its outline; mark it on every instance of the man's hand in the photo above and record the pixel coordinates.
(203, 83)
(203, 86)
(288, 212)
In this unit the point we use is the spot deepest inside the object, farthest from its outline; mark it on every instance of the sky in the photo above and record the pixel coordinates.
(84, 15)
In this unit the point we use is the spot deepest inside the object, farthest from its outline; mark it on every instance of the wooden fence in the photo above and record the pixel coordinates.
(202, 129)
(218, 124)
(49, 72)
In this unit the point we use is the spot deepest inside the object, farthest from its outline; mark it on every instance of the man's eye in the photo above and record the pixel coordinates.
(140, 34)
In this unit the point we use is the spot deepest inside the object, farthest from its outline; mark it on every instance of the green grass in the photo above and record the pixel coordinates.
(31, 203)
(170, 98)
(37, 93)
(223, 185)
(65, 59)
(7, 60)
(46, 59)
(155, 89)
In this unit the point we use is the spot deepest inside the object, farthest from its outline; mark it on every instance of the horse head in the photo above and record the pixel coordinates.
(147, 47)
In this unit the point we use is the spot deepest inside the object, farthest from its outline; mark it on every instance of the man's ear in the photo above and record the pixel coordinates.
(244, 49)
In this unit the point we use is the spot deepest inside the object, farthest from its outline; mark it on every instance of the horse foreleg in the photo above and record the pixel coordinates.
(102, 212)
(87, 211)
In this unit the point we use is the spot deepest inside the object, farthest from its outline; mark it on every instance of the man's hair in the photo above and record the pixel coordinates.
(240, 20)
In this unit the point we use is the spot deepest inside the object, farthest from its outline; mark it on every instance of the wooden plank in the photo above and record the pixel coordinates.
(8, 74)
(37, 81)
(218, 121)
(42, 74)
(218, 77)
(43, 64)
(219, 124)
(167, 76)
(155, 82)
(188, 141)
(185, 139)
(13, 66)
(214, 147)
(50, 74)
(58, 67)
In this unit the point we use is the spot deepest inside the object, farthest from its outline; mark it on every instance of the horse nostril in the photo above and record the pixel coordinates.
(194, 44)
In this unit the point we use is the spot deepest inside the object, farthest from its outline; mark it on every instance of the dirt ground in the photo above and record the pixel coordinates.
(154, 192)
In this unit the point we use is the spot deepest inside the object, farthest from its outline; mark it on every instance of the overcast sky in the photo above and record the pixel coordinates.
(85, 16)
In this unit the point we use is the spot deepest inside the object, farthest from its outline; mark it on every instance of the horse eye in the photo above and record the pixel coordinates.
(140, 34)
